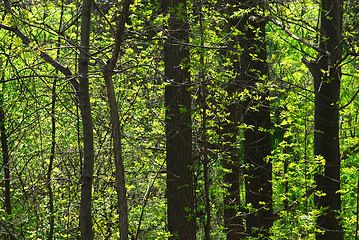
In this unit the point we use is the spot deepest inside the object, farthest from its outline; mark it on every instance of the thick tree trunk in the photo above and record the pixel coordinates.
(181, 221)
(87, 125)
(233, 222)
(256, 115)
(327, 75)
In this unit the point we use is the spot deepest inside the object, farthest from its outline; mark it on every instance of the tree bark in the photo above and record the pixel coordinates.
(116, 125)
(5, 156)
(4, 140)
(327, 74)
(256, 116)
(87, 125)
(181, 221)
(51, 161)
(204, 93)
(233, 222)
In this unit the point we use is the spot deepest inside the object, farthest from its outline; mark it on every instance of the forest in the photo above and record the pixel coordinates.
(179, 119)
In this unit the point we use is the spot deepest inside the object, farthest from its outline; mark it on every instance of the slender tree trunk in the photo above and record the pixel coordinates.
(3, 136)
(327, 75)
(87, 125)
(181, 221)
(207, 203)
(51, 161)
(5, 156)
(256, 115)
(116, 125)
(53, 141)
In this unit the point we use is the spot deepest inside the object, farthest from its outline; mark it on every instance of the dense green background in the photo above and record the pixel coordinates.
(26, 96)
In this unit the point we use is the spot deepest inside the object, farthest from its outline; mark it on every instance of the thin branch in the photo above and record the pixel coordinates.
(292, 35)
(106, 19)
(119, 34)
(307, 194)
(57, 65)
(12, 236)
(351, 100)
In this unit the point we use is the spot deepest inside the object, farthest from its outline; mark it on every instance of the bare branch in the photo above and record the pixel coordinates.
(292, 35)
(12, 236)
(57, 65)
(351, 100)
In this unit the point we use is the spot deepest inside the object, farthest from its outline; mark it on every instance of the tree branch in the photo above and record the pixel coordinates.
(292, 35)
(307, 194)
(57, 65)
(351, 100)
(12, 236)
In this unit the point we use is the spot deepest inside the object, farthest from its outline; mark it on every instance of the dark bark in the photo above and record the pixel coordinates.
(204, 93)
(7, 6)
(327, 75)
(181, 221)
(256, 115)
(53, 141)
(233, 222)
(116, 125)
(87, 125)
(9, 232)
(5, 157)
(51, 161)
(4, 143)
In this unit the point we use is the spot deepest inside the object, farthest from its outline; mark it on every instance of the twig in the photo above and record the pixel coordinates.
(351, 100)
(285, 29)
(57, 65)
(12, 236)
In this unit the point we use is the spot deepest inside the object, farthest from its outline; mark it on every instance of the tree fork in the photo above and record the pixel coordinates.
(116, 125)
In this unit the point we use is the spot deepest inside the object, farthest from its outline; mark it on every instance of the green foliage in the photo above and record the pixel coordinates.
(26, 91)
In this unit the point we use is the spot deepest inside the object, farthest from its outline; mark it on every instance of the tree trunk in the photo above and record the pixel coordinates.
(327, 75)
(51, 161)
(116, 125)
(5, 155)
(203, 88)
(233, 222)
(256, 115)
(181, 221)
(87, 125)
(3, 136)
